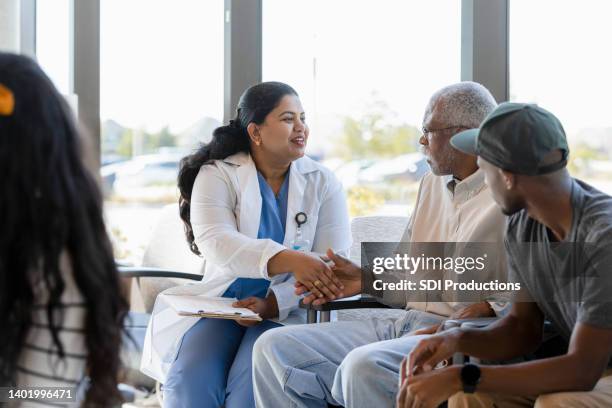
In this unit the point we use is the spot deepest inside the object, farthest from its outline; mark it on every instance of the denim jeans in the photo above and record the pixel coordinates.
(352, 363)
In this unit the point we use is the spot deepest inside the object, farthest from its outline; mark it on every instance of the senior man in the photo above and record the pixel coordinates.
(356, 364)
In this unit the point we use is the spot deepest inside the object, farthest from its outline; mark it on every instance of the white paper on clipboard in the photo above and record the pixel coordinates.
(208, 306)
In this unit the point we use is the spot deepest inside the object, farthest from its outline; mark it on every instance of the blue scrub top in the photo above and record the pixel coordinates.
(271, 225)
(273, 210)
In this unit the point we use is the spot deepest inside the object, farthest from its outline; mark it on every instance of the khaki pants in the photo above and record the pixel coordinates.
(599, 397)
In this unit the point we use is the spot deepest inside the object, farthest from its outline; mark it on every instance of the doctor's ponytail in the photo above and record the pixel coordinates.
(254, 105)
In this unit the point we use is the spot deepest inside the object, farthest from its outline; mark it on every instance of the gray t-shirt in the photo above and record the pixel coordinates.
(571, 281)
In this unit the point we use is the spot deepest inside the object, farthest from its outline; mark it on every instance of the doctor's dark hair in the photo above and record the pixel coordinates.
(50, 205)
(254, 105)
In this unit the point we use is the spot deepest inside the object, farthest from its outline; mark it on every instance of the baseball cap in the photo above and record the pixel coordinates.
(516, 137)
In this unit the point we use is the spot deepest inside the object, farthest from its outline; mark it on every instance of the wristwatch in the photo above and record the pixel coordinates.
(470, 377)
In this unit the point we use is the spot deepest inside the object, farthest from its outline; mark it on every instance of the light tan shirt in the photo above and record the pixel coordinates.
(448, 210)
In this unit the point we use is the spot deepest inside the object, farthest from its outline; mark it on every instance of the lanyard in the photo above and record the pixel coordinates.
(299, 243)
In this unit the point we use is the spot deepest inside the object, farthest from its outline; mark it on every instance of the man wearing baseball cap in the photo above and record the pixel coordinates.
(559, 246)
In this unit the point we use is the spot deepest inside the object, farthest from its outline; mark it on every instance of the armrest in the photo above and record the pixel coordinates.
(144, 272)
(348, 303)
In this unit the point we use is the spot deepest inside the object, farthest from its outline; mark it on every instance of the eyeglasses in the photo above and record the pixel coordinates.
(427, 131)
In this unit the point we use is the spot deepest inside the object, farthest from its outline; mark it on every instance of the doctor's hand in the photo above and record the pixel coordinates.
(266, 308)
(345, 270)
(310, 271)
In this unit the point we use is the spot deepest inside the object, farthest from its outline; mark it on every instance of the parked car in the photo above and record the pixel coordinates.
(410, 167)
(142, 177)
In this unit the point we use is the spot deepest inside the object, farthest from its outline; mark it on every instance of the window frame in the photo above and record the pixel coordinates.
(484, 51)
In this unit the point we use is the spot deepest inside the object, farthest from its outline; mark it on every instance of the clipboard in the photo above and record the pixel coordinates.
(209, 307)
(238, 316)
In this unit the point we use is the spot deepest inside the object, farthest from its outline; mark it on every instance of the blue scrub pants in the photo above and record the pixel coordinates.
(213, 365)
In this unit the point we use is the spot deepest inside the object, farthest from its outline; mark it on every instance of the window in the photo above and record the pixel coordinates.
(161, 87)
(365, 71)
(560, 60)
(53, 22)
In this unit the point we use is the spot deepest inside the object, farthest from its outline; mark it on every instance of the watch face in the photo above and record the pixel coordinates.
(470, 374)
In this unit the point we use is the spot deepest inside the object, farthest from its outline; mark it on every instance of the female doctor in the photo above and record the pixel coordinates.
(252, 205)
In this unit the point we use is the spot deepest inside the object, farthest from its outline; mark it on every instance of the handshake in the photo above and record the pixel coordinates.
(326, 278)
(322, 278)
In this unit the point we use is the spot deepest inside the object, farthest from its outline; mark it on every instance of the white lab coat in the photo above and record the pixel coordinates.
(225, 212)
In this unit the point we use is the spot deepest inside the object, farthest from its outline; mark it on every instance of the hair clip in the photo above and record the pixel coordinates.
(7, 101)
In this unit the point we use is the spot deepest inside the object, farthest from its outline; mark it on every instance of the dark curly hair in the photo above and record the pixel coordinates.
(51, 203)
(254, 105)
